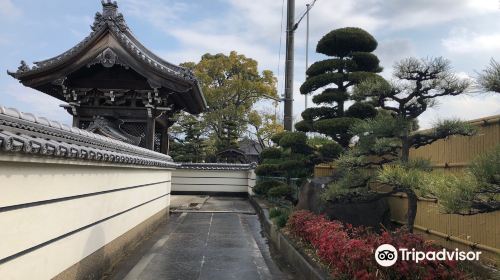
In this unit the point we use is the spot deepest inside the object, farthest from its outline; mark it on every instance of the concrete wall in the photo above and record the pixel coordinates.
(55, 213)
(212, 181)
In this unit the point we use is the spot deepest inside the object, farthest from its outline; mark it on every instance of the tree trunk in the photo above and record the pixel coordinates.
(405, 147)
(412, 209)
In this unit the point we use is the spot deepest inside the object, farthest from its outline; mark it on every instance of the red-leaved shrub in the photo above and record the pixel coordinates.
(349, 251)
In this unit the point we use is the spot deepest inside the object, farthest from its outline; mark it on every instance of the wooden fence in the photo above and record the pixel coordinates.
(456, 152)
(466, 232)
(481, 231)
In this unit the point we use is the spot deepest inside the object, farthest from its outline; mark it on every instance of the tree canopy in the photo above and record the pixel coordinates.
(265, 125)
(232, 85)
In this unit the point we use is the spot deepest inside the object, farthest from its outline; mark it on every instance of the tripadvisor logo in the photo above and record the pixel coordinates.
(386, 255)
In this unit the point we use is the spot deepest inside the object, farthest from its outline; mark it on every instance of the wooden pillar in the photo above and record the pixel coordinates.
(150, 130)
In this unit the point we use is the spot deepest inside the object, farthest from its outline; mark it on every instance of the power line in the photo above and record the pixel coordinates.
(309, 7)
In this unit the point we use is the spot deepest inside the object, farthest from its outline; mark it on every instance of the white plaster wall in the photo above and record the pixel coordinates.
(34, 210)
(185, 180)
(252, 177)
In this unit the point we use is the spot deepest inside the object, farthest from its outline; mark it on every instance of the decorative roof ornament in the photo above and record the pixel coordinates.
(109, 13)
(108, 59)
(23, 67)
(111, 129)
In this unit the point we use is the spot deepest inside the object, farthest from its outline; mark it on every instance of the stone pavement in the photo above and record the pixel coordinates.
(222, 240)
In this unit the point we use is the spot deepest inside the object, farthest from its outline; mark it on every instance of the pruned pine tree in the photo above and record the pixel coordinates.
(388, 138)
(352, 62)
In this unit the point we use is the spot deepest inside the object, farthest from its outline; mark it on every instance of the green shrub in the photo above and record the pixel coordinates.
(319, 113)
(282, 220)
(330, 151)
(316, 82)
(270, 153)
(304, 126)
(267, 170)
(486, 168)
(279, 216)
(279, 191)
(318, 141)
(330, 96)
(293, 139)
(344, 41)
(290, 164)
(333, 127)
(275, 212)
(476, 189)
(455, 193)
(361, 110)
(296, 142)
(277, 137)
(365, 62)
(263, 188)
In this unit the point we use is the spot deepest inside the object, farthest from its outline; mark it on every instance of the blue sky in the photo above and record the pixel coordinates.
(465, 31)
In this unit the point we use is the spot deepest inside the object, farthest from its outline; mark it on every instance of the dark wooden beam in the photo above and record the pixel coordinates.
(150, 131)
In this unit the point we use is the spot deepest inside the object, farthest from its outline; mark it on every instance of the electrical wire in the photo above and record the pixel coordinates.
(296, 25)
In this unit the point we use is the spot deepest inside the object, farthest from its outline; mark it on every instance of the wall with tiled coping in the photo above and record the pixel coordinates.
(213, 178)
(71, 201)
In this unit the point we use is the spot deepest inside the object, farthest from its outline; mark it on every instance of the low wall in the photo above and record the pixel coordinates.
(207, 178)
(303, 265)
(72, 202)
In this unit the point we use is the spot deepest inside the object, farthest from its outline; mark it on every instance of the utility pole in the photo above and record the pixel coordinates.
(290, 30)
(307, 47)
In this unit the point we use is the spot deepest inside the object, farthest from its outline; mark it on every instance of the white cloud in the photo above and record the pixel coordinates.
(393, 50)
(416, 13)
(8, 9)
(462, 41)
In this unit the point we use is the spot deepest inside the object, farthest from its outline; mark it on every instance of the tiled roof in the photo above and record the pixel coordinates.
(24, 133)
(217, 166)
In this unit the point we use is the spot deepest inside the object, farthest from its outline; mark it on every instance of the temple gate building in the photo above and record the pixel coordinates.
(116, 87)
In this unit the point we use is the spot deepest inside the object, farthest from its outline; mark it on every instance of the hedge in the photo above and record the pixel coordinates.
(330, 95)
(270, 153)
(263, 188)
(361, 110)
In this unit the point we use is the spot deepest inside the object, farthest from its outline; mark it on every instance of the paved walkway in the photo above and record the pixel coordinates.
(219, 239)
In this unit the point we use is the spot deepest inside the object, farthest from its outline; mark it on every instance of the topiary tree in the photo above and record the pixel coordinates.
(293, 158)
(352, 62)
